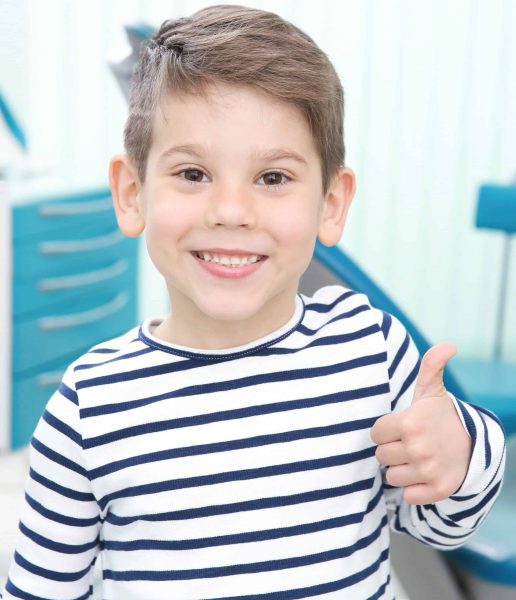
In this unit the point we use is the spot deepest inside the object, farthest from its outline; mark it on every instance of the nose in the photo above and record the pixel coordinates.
(231, 206)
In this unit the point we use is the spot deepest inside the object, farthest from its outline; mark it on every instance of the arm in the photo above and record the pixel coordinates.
(59, 525)
(442, 459)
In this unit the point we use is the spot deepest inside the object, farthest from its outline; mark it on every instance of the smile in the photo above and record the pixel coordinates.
(229, 260)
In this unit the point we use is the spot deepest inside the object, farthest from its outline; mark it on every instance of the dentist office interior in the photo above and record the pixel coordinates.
(431, 135)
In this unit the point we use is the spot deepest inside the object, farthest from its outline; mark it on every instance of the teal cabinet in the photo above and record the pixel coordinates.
(69, 279)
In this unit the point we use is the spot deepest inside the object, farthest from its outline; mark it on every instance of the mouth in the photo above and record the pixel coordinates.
(229, 260)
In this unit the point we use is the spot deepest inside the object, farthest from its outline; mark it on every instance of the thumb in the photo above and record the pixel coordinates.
(430, 378)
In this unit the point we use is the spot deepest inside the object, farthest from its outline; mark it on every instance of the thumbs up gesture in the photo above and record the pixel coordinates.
(425, 447)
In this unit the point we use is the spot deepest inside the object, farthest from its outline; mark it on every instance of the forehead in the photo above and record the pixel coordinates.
(225, 117)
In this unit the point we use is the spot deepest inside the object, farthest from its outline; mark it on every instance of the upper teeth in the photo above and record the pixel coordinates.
(232, 261)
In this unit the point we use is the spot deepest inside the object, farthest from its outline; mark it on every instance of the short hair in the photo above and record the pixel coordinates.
(241, 46)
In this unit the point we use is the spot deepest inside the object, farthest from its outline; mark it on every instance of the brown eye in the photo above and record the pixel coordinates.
(193, 175)
(274, 178)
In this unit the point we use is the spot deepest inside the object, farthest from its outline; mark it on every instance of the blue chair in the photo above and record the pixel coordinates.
(487, 563)
(492, 383)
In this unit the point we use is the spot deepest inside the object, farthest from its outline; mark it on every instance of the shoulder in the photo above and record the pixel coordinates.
(337, 302)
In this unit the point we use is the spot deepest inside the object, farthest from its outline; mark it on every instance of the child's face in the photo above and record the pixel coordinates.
(232, 177)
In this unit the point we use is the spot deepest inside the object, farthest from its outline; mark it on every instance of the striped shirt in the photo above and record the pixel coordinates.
(247, 473)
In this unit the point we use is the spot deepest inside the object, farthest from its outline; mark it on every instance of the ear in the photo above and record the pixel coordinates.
(126, 190)
(336, 205)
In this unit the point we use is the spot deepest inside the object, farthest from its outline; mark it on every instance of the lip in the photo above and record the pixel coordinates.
(230, 251)
(228, 272)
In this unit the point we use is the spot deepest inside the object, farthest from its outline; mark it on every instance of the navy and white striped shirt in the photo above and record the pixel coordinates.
(246, 473)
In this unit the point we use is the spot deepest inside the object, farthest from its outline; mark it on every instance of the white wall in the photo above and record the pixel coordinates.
(430, 96)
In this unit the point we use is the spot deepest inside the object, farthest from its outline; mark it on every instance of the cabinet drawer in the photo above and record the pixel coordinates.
(61, 213)
(43, 340)
(29, 398)
(55, 257)
(33, 296)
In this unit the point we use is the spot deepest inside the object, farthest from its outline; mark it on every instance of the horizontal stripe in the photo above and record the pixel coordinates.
(225, 386)
(65, 429)
(305, 330)
(246, 505)
(231, 445)
(236, 413)
(44, 542)
(68, 393)
(49, 573)
(238, 475)
(125, 356)
(60, 489)
(59, 518)
(247, 537)
(258, 567)
(56, 457)
(321, 308)
(318, 590)
(18, 593)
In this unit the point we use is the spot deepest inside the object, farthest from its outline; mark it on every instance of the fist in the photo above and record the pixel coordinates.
(425, 447)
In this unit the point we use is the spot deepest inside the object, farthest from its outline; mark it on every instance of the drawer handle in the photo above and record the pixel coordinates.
(75, 246)
(49, 379)
(73, 281)
(67, 209)
(88, 316)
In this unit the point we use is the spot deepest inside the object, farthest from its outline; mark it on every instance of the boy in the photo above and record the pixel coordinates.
(233, 449)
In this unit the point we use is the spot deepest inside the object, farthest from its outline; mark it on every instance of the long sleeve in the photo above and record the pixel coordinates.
(450, 522)
(59, 525)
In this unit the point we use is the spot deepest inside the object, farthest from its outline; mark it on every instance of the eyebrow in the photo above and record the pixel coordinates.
(199, 151)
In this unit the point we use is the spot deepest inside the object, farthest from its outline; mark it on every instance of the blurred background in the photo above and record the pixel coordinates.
(430, 115)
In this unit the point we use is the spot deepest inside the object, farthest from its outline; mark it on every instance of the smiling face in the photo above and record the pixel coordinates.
(232, 205)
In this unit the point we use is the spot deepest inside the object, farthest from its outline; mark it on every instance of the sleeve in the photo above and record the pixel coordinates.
(448, 523)
(58, 537)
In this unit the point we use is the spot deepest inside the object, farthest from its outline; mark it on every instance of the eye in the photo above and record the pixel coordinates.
(192, 175)
(274, 179)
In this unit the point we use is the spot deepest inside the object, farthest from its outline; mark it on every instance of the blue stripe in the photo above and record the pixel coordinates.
(458, 516)
(57, 517)
(239, 475)
(325, 308)
(399, 355)
(406, 384)
(56, 457)
(47, 573)
(328, 340)
(68, 393)
(304, 329)
(229, 445)
(381, 590)
(386, 324)
(62, 427)
(318, 590)
(423, 519)
(129, 355)
(68, 493)
(222, 386)
(44, 542)
(18, 593)
(237, 413)
(247, 537)
(246, 505)
(258, 567)
(468, 419)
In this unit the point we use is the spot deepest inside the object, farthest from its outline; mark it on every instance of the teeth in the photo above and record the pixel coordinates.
(229, 261)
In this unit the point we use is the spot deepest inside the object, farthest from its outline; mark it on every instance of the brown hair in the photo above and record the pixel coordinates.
(243, 46)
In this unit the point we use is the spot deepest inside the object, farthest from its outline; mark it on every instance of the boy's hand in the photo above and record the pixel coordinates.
(425, 447)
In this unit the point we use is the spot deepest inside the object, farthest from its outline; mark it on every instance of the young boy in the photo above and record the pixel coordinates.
(233, 448)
